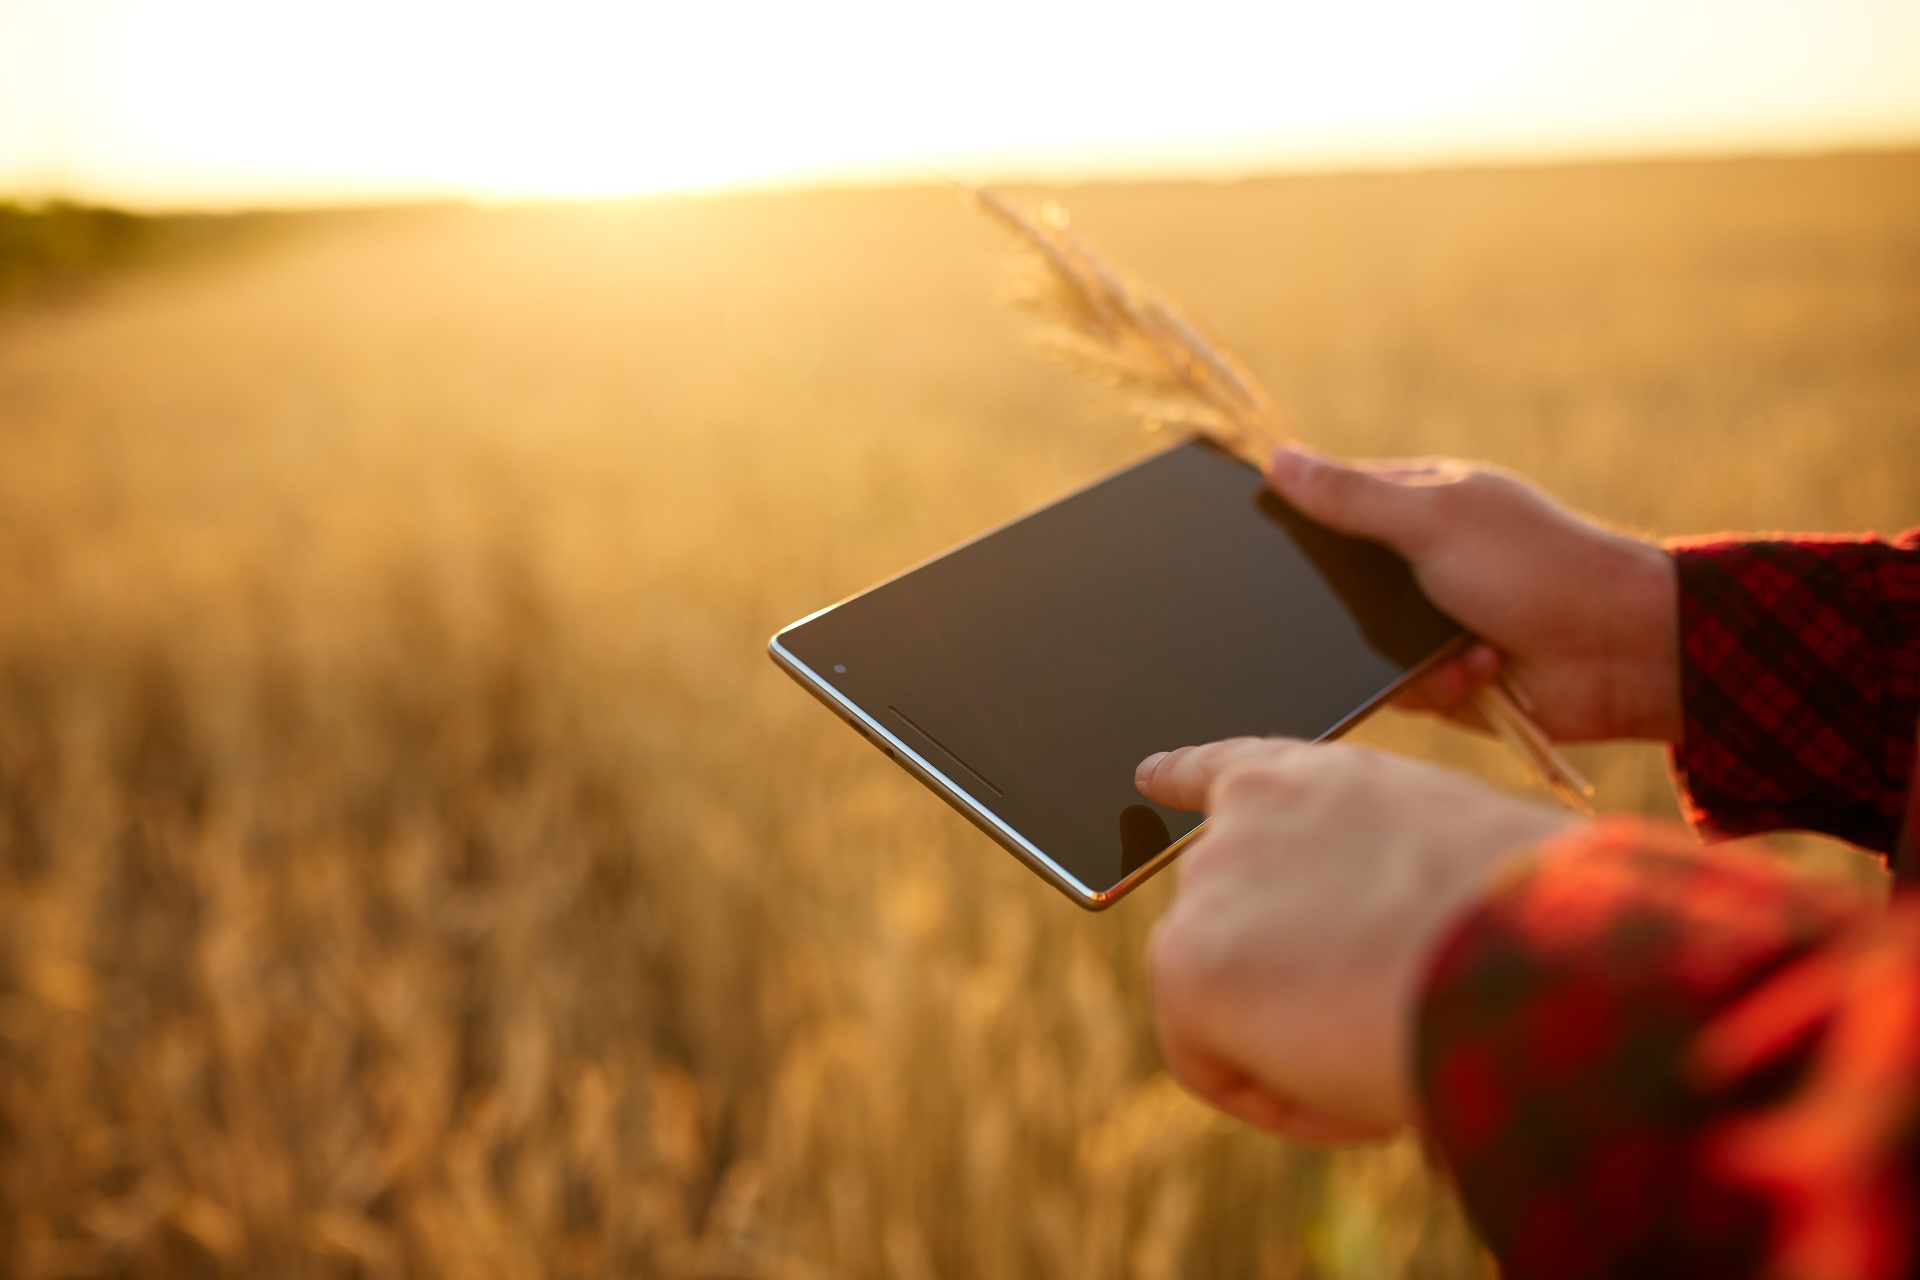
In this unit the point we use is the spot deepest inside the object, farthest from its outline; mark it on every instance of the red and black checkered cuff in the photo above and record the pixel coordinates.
(1553, 1041)
(1789, 720)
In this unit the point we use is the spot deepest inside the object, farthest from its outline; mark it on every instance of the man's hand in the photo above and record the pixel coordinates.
(1286, 973)
(1585, 620)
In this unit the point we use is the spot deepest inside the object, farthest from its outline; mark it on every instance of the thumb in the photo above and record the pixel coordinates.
(1388, 504)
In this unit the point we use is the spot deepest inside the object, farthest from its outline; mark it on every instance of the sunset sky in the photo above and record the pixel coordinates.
(221, 102)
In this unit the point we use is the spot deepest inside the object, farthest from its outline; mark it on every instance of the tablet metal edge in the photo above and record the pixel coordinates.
(982, 817)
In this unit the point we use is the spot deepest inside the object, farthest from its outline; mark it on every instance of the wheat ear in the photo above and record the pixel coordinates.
(1134, 337)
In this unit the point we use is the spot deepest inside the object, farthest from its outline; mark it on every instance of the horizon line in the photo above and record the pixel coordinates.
(883, 175)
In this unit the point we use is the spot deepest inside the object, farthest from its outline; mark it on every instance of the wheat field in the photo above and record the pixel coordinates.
(410, 864)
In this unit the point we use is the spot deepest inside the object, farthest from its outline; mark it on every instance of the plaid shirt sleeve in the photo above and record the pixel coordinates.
(1642, 1057)
(1800, 682)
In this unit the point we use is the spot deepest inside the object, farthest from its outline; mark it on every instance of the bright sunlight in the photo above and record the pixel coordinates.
(209, 101)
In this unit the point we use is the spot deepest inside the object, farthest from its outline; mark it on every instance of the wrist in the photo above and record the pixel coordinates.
(1646, 685)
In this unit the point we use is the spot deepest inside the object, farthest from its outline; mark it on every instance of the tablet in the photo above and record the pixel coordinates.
(1023, 675)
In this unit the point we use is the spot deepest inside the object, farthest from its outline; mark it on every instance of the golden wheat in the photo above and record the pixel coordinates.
(411, 866)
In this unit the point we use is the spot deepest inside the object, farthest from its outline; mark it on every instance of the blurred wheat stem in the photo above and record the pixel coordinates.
(1499, 707)
(1133, 337)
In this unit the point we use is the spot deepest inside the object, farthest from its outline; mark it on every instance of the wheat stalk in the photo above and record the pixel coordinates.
(1133, 337)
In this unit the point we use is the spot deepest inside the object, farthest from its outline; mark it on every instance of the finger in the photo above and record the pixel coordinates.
(1467, 716)
(1181, 779)
(1213, 1079)
(1321, 1132)
(1392, 504)
(1407, 471)
(1253, 1103)
(1448, 684)
(1250, 1103)
(1483, 663)
(1438, 689)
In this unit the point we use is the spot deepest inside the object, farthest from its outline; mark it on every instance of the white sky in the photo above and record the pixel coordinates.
(197, 102)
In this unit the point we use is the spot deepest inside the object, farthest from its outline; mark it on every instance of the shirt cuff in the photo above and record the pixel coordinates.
(1553, 1034)
(1780, 689)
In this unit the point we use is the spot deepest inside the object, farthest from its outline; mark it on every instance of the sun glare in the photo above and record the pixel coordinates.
(211, 100)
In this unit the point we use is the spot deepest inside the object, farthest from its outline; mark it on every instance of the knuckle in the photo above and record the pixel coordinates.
(1351, 756)
(1457, 492)
(1342, 769)
(1250, 785)
(1483, 486)
(1336, 486)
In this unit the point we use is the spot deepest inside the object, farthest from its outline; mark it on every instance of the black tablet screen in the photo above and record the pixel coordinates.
(1176, 602)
